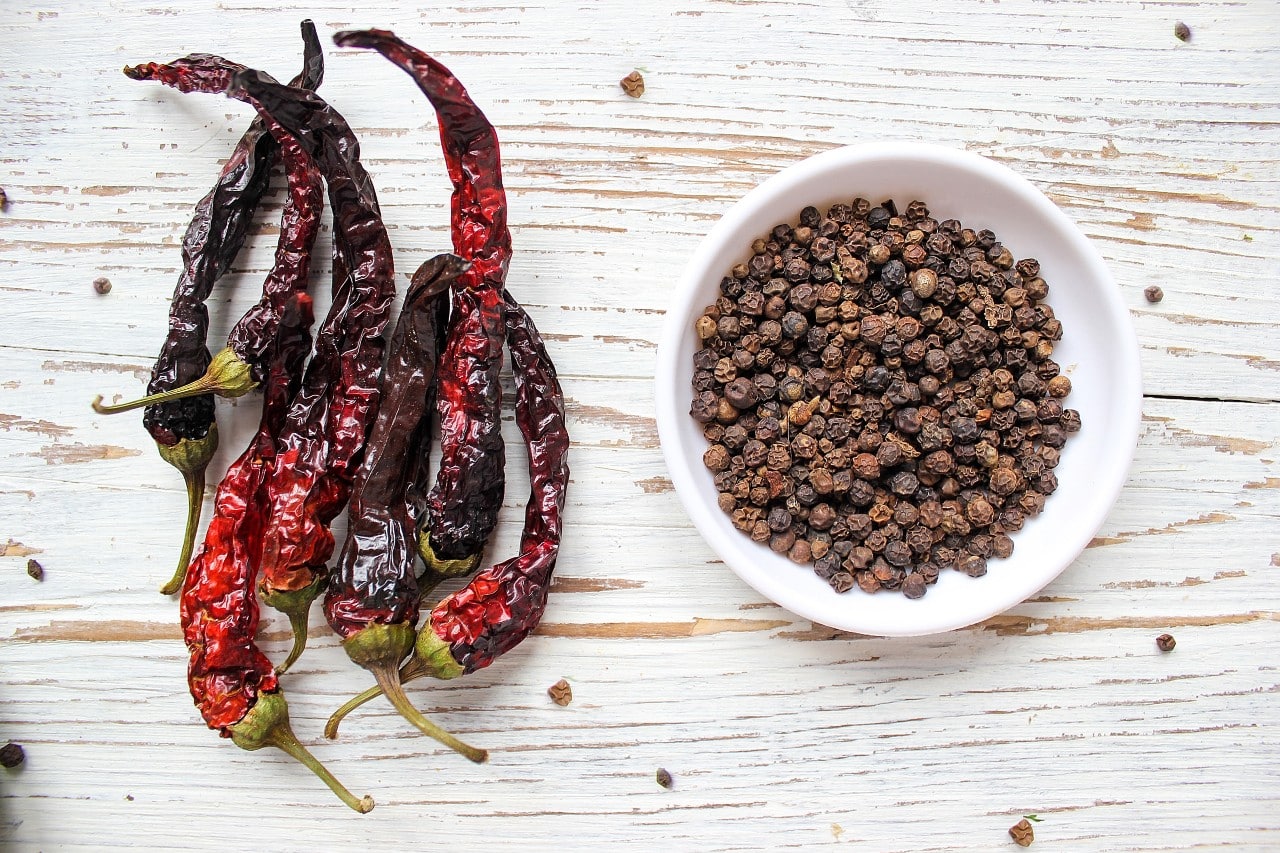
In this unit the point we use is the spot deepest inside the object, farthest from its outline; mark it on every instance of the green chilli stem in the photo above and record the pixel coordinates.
(227, 376)
(285, 741)
(296, 604)
(298, 624)
(411, 670)
(195, 504)
(388, 678)
(267, 724)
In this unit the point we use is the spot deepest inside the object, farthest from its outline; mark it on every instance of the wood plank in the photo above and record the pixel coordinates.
(779, 733)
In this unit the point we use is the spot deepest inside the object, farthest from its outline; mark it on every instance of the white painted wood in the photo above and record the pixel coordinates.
(780, 734)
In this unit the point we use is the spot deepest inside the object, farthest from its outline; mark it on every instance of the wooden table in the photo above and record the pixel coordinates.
(779, 733)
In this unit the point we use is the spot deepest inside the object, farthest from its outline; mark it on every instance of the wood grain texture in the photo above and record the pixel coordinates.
(779, 734)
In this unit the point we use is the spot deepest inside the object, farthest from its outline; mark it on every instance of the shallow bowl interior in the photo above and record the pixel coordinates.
(1098, 352)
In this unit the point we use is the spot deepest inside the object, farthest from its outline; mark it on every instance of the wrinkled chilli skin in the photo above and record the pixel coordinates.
(219, 610)
(326, 428)
(462, 507)
(374, 580)
(210, 244)
(501, 605)
(184, 429)
(254, 337)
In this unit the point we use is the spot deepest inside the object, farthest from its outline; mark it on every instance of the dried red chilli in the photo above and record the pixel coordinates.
(500, 606)
(372, 599)
(491, 615)
(323, 440)
(185, 431)
(233, 683)
(462, 507)
(255, 340)
(252, 341)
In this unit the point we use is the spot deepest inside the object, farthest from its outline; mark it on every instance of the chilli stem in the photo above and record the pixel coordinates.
(195, 503)
(227, 375)
(298, 623)
(203, 385)
(388, 678)
(411, 670)
(283, 738)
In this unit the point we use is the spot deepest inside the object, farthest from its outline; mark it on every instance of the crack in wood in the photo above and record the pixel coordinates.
(75, 366)
(562, 583)
(70, 454)
(13, 548)
(644, 430)
(656, 485)
(126, 631)
(41, 427)
(1007, 625)
(1175, 527)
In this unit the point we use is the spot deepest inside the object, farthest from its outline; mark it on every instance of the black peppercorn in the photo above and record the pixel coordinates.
(12, 755)
(873, 383)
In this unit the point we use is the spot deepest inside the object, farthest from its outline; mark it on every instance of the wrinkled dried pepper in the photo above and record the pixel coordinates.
(324, 437)
(185, 431)
(462, 507)
(233, 683)
(491, 615)
(257, 334)
(372, 600)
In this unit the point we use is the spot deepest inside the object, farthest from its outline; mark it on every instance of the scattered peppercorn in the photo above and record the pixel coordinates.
(664, 778)
(12, 755)
(633, 84)
(1153, 293)
(1022, 833)
(1166, 642)
(561, 693)
(879, 396)
(4, 199)
(102, 285)
(129, 797)
(35, 570)
(1181, 31)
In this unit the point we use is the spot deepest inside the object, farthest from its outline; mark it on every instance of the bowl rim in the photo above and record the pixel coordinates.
(1127, 373)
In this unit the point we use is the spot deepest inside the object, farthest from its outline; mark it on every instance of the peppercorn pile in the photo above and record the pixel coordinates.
(879, 395)
(353, 425)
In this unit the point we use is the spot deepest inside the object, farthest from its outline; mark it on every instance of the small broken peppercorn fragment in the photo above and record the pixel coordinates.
(664, 778)
(12, 755)
(1181, 31)
(1022, 833)
(561, 693)
(1153, 293)
(633, 84)
(35, 570)
(1166, 642)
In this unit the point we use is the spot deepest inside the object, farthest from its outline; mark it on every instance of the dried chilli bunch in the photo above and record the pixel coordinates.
(184, 429)
(879, 395)
(233, 683)
(323, 441)
(372, 599)
(470, 629)
(462, 507)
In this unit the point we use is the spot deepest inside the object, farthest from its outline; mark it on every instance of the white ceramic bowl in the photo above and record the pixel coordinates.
(1098, 351)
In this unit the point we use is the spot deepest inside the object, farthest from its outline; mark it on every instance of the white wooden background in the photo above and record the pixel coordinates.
(780, 734)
